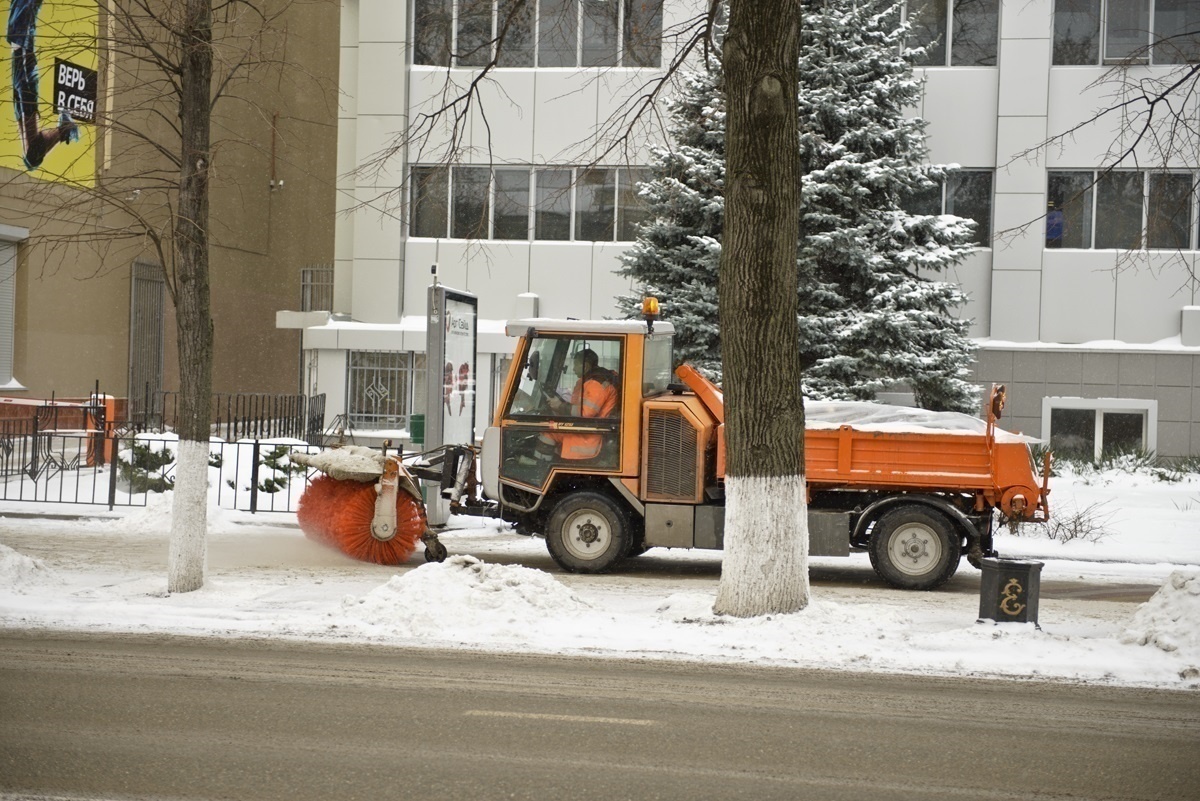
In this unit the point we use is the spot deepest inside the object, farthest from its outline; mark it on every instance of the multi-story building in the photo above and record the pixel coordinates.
(1083, 299)
(81, 301)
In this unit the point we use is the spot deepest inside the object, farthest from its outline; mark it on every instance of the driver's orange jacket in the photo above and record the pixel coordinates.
(592, 397)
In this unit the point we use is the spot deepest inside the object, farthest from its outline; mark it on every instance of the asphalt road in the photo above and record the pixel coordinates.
(161, 717)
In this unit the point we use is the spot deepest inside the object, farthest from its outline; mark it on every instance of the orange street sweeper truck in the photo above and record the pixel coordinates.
(599, 446)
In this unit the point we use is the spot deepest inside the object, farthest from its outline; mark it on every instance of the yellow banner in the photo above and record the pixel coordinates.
(48, 89)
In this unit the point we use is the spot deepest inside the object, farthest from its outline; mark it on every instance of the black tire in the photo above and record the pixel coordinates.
(587, 533)
(915, 548)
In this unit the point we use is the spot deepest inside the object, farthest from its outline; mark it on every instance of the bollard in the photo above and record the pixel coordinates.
(1008, 590)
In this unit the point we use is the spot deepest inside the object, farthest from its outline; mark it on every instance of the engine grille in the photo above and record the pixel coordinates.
(671, 457)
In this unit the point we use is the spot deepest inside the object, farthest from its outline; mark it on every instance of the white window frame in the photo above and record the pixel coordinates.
(536, 32)
(1194, 212)
(626, 170)
(1145, 406)
(1104, 59)
(12, 236)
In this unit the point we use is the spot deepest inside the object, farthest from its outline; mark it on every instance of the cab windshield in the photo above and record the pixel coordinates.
(549, 372)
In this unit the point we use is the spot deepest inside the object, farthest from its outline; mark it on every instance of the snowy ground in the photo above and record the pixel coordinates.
(502, 592)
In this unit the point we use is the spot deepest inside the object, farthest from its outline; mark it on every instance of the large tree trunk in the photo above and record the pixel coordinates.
(765, 567)
(187, 552)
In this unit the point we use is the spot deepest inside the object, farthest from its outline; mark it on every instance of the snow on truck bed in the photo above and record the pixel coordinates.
(865, 416)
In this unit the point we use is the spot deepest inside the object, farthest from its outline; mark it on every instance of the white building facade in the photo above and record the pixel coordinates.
(1084, 301)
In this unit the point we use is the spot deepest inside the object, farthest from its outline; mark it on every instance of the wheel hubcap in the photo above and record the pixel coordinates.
(587, 535)
(915, 549)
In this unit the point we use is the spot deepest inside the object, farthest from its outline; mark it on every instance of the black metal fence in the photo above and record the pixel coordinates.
(70, 453)
(78, 467)
(250, 416)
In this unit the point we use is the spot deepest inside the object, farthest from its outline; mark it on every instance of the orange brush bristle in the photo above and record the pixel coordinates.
(339, 513)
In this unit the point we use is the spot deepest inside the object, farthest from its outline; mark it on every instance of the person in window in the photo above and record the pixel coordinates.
(595, 395)
(1055, 223)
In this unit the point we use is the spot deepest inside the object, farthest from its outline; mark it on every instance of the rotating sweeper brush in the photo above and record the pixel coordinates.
(367, 505)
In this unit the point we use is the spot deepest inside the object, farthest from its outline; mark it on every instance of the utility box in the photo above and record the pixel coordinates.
(1009, 590)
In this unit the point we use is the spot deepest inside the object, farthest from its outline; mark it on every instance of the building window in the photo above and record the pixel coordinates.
(514, 31)
(472, 202)
(8, 296)
(1089, 428)
(969, 194)
(552, 215)
(10, 237)
(1169, 213)
(512, 204)
(1120, 210)
(965, 193)
(958, 33)
(433, 31)
(1093, 32)
(549, 33)
(383, 388)
(632, 210)
(429, 207)
(598, 204)
(316, 288)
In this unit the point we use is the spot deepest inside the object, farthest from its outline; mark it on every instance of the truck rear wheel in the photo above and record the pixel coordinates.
(587, 533)
(915, 548)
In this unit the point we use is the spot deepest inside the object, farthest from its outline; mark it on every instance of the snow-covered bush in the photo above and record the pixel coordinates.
(146, 466)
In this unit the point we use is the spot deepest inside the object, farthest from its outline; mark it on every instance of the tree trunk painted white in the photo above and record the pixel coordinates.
(187, 555)
(765, 566)
(193, 314)
(765, 569)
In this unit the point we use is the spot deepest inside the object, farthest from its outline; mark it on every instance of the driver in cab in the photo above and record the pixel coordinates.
(595, 395)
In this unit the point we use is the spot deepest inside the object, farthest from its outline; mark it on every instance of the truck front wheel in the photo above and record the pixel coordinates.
(587, 533)
(915, 548)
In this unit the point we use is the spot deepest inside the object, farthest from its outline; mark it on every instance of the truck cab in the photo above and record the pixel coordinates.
(542, 410)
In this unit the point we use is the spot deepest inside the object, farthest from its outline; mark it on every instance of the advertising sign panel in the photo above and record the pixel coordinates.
(48, 89)
(451, 349)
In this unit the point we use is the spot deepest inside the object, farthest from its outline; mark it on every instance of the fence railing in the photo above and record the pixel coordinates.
(256, 416)
(77, 467)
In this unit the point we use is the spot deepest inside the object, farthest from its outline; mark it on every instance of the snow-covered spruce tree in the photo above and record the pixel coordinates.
(870, 318)
(678, 251)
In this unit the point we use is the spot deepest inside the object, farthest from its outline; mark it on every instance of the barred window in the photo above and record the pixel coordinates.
(384, 388)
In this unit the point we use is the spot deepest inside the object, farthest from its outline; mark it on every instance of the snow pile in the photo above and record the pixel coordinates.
(464, 599)
(881, 417)
(1170, 620)
(154, 518)
(18, 571)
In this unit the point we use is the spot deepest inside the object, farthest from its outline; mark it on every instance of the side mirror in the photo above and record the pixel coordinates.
(532, 370)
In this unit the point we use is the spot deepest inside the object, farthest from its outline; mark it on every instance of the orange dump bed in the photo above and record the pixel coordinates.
(982, 460)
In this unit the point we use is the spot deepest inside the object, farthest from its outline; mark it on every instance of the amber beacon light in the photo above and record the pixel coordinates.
(650, 312)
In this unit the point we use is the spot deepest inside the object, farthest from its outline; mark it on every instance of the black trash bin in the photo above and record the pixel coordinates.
(1009, 589)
